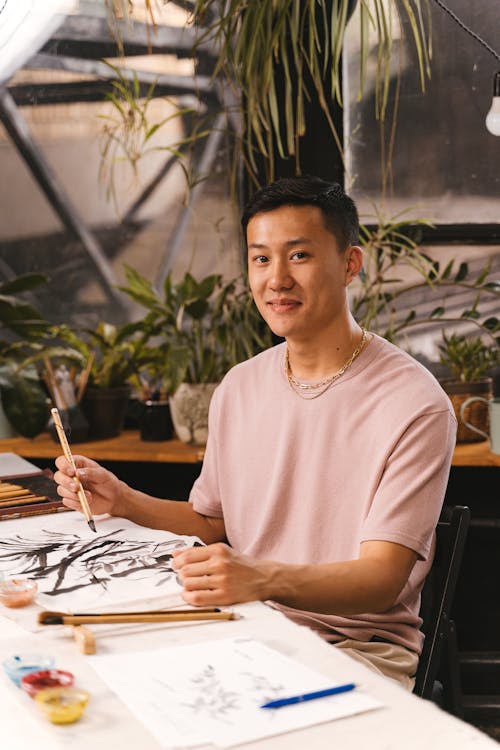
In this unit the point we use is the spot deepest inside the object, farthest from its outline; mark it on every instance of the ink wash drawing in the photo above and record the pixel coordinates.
(76, 569)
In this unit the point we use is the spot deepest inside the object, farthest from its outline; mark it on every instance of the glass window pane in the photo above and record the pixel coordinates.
(444, 159)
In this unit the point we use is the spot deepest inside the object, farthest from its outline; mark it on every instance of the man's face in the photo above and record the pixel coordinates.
(297, 275)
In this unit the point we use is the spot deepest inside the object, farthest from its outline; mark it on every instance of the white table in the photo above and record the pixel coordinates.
(404, 722)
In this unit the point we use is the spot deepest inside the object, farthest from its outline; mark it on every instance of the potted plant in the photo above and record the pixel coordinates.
(23, 397)
(154, 384)
(395, 269)
(107, 359)
(209, 326)
(469, 359)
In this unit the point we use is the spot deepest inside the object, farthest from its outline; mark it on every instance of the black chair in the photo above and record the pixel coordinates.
(438, 677)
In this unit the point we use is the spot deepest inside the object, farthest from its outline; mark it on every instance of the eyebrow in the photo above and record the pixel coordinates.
(288, 243)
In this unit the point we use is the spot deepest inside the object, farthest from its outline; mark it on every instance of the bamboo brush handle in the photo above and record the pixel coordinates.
(154, 617)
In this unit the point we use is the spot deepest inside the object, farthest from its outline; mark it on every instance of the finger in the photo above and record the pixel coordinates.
(206, 598)
(62, 479)
(191, 555)
(200, 583)
(82, 462)
(66, 492)
(92, 475)
(73, 504)
(64, 466)
(193, 570)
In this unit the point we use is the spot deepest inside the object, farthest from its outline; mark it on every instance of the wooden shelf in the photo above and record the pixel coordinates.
(129, 447)
(126, 447)
(475, 454)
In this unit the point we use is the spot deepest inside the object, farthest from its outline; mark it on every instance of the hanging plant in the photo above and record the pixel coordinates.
(302, 43)
(280, 55)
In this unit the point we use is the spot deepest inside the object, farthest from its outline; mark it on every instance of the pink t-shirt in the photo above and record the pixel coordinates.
(306, 481)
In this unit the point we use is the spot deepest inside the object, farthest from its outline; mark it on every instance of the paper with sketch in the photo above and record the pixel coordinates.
(77, 570)
(212, 692)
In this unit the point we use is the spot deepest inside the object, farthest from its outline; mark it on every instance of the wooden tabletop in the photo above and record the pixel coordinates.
(129, 447)
(126, 447)
(475, 454)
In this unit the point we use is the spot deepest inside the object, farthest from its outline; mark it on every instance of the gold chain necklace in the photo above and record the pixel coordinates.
(313, 390)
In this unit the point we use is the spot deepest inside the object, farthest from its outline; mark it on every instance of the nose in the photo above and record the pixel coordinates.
(280, 277)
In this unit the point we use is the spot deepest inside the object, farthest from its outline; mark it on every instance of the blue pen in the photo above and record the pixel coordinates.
(309, 696)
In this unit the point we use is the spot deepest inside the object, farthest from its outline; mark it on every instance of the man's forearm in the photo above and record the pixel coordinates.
(371, 583)
(346, 588)
(172, 515)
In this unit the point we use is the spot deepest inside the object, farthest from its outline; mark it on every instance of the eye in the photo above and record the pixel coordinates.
(260, 259)
(299, 255)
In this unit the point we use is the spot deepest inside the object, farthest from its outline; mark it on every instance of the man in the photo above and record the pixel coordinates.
(328, 455)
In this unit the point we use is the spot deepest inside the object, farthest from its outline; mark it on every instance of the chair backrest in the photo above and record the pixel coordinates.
(438, 593)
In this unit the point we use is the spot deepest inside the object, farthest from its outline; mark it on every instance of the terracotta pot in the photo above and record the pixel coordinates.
(476, 413)
(189, 409)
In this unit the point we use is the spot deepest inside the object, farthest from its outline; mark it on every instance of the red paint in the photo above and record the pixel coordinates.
(46, 678)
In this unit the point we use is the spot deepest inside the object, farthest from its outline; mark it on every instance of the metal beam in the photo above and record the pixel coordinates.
(41, 94)
(98, 68)
(150, 188)
(18, 130)
(137, 38)
(206, 162)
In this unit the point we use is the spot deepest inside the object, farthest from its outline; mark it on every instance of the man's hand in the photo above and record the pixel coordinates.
(103, 489)
(216, 575)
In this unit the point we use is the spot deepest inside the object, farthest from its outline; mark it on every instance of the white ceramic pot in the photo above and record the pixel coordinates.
(189, 409)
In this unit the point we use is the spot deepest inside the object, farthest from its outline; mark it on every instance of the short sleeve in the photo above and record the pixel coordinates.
(408, 500)
(205, 494)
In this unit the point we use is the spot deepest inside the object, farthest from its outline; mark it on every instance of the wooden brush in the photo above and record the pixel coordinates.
(61, 618)
(22, 500)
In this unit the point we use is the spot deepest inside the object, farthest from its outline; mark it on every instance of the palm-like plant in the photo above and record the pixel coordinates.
(23, 398)
(468, 358)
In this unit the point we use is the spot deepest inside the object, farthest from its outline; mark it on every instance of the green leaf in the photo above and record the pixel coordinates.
(437, 312)
(462, 272)
(447, 271)
(25, 405)
(493, 286)
(492, 324)
(23, 283)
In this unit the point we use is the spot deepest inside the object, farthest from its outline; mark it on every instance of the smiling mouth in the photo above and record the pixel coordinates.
(283, 305)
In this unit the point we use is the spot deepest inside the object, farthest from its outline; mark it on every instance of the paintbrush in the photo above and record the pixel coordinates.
(14, 491)
(69, 458)
(61, 618)
(13, 502)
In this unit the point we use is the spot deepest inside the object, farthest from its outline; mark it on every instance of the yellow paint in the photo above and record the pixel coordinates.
(62, 705)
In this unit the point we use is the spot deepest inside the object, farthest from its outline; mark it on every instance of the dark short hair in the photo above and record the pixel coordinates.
(338, 209)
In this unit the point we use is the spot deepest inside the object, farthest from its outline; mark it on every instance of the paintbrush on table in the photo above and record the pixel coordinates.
(175, 615)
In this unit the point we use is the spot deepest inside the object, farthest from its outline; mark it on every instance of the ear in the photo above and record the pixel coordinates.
(354, 262)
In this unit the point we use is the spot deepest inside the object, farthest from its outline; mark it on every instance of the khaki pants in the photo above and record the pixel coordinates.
(396, 662)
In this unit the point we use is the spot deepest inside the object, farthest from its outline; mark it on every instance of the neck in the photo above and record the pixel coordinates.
(318, 358)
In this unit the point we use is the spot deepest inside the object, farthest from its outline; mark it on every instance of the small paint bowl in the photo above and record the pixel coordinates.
(33, 682)
(62, 705)
(16, 667)
(17, 592)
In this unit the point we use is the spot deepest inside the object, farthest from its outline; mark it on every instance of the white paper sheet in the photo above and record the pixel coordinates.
(11, 464)
(212, 692)
(77, 570)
